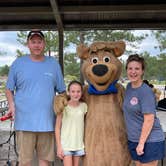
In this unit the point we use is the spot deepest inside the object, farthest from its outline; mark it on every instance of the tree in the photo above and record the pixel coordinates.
(160, 35)
(132, 41)
(2, 53)
(51, 38)
(71, 66)
(105, 35)
(161, 73)
(151, 66)
(155, 67)
(4, 70)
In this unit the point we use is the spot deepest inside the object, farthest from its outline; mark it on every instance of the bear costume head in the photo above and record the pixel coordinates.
(101, 66)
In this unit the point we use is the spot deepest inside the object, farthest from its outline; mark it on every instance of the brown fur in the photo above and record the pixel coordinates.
(105, 135)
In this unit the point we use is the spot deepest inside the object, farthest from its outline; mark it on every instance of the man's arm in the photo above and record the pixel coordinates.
(10, 98)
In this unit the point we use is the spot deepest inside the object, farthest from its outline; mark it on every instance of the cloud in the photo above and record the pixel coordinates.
(147, 45)
(7, 60)
(8, 47)
(8, 36)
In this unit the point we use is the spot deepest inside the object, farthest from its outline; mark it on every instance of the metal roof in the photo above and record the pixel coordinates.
(82, 14)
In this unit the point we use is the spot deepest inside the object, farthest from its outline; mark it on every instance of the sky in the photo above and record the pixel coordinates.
(9, 44)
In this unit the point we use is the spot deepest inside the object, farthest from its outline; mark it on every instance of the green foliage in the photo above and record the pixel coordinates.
(156, 66)
(2, 53)
(69, 78)
(4, 70)
(2, 90)
(71, 37)
(22, 37)
(160, 35)
(129, 37)
(51, 38)
(71, 66)
(114, 35)
(161, 64)
(19, 53)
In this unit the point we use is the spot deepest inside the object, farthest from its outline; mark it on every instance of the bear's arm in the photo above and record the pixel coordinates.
(120, 94)
(85, 93)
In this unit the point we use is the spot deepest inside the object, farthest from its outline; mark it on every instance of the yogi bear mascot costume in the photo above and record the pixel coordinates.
(105, 134)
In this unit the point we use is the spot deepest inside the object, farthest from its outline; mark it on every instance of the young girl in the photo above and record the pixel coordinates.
(145, 136)
(70, 127)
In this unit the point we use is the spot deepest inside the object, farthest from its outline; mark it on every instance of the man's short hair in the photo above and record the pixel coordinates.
(35, 32)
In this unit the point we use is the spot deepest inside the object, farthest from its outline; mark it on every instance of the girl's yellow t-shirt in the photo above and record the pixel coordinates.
(72, 131)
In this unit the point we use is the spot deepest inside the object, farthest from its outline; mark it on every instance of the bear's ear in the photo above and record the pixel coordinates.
(119, 48)
(83, 51)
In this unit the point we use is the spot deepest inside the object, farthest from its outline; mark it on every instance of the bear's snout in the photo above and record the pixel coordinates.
(100, 70)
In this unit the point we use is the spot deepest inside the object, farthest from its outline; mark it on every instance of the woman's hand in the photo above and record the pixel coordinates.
(146, 129)
(140, 149)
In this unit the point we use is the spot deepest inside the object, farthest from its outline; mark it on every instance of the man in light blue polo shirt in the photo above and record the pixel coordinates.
(32, 83)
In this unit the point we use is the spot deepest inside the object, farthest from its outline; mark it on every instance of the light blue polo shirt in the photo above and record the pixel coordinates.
(35, 85)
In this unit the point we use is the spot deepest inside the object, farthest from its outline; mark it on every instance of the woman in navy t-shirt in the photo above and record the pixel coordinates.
(145, 136)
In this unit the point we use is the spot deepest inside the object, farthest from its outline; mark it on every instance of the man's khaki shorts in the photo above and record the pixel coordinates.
(40, 142)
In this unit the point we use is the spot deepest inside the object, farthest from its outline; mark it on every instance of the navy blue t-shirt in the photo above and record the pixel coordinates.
(137, 102)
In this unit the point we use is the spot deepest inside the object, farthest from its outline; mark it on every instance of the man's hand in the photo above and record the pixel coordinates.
(10, 99)
(11, 111)
(5, 117)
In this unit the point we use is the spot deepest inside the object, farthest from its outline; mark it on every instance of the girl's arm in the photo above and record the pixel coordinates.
(146, 129)
(58, 135)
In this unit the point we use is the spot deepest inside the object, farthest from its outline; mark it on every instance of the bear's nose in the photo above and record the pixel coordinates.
(100, 70)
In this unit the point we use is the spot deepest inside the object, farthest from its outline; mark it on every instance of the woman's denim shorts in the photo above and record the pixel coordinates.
(152, 151)
(74, 153)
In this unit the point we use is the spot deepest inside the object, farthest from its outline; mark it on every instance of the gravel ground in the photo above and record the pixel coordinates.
(7, 152)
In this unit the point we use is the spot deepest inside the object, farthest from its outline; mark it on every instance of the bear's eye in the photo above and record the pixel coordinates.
(94, 60)
(106, 59)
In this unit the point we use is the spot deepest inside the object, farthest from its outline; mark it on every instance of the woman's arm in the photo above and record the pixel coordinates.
(58, 126)
(146, 129)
